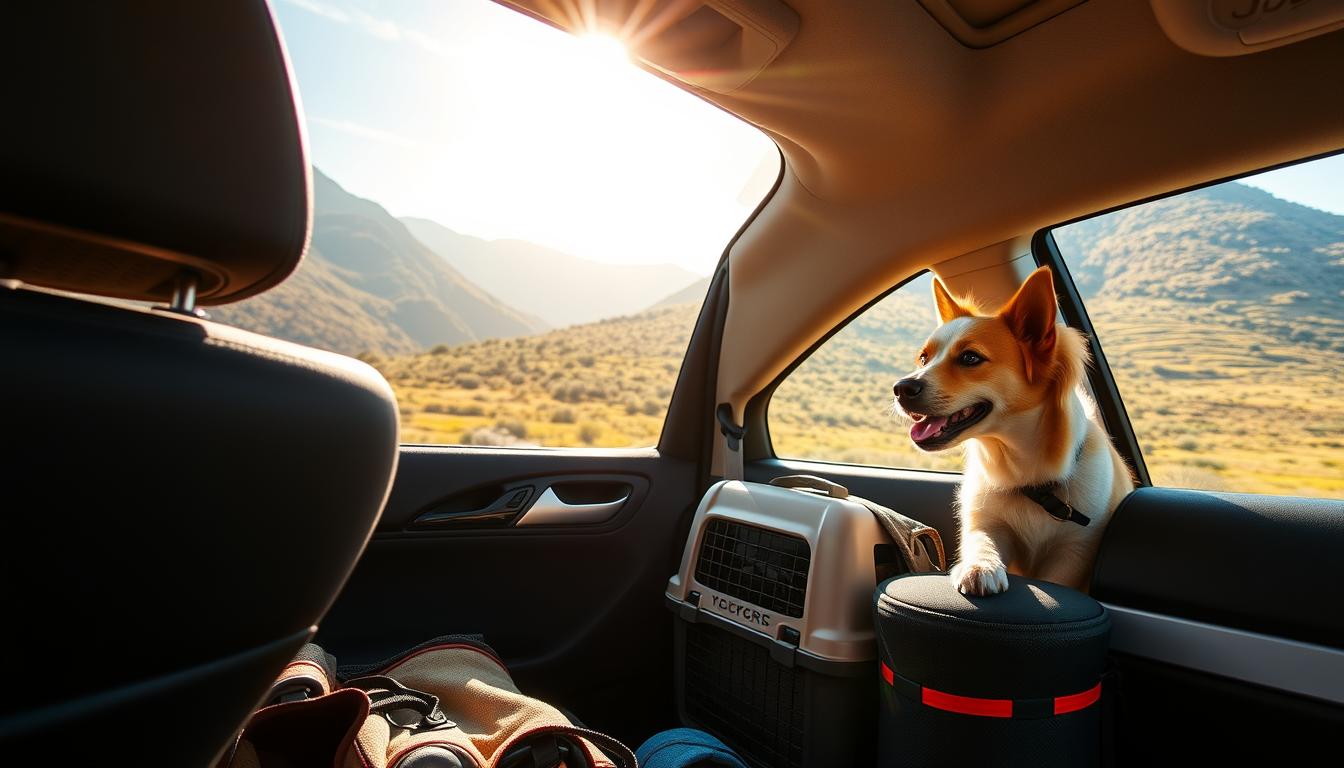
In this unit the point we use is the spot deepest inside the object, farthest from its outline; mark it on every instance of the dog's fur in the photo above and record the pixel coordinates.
(1039, 428)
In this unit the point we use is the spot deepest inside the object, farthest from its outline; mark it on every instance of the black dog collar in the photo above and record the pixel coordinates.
(1044, 496)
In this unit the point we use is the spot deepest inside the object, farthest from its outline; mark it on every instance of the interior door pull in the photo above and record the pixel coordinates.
(550, 510)
(505, 508)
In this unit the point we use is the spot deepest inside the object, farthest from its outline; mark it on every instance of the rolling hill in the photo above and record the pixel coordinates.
(559, 288)
(1257, 262)
(691, 294)
(367, 284)
(1219, 312)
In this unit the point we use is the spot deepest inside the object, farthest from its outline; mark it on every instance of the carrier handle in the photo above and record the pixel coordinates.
(812, 483)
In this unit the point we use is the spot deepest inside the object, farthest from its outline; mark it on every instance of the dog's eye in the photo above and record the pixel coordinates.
(923, 359)
(969, 358)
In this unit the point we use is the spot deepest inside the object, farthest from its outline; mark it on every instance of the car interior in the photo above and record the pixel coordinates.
(189, 503)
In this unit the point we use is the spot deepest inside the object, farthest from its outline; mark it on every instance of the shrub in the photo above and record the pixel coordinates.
(562, 416)
(468, 382)
(589, 433)
(512, 426)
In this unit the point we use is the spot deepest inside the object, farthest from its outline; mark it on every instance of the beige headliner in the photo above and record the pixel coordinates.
(905, 149)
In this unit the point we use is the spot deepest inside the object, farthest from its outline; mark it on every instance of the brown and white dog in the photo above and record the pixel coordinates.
(1038, 465)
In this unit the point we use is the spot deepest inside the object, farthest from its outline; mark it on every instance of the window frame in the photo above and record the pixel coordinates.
(757, 443)
(1105, 392)
(1110, 404)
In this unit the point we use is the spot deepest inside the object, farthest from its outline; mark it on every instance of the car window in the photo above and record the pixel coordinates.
(836, 405)
(1220, 315)
(514, 225)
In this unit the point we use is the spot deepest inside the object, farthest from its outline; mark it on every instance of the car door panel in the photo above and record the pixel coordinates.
(1225, 620)
(575, 610)
(1259, 563)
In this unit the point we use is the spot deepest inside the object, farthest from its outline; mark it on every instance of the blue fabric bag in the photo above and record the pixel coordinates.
(686, 748)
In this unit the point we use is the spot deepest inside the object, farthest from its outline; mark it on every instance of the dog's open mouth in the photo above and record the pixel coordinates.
(931, 432)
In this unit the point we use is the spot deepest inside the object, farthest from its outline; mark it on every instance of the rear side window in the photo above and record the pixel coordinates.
(836, 405)
(1221, 314)
(514, 225)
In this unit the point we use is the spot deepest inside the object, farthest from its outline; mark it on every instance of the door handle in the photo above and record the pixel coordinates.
(499, 512)
(549, 509)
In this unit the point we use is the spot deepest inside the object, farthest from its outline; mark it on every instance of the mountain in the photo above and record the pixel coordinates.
(1231, 248)
(367, 284)
(694, 293)
(559, 288)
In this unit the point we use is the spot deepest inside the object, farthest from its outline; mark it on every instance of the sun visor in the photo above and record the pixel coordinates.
(1236, 27)
(718, 45)
(147, 142)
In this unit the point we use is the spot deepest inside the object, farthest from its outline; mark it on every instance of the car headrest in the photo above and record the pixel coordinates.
(144, 142)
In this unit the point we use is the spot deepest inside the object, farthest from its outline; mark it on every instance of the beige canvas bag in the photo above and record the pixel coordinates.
(448, 700)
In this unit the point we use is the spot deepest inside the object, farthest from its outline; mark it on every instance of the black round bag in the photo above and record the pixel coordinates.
(1008, 679)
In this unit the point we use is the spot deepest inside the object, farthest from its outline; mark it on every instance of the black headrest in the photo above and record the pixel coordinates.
(139, 140)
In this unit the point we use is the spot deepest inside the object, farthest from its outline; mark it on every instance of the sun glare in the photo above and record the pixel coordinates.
(500, 127)
(604, 49)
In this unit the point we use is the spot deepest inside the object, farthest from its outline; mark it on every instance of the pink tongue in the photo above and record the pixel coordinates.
(923, 430)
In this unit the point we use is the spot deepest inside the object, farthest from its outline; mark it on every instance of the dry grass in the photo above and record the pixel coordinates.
(604, 384)
(1216, 406)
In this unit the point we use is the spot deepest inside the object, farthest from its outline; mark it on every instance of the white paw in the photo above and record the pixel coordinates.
(980, 578)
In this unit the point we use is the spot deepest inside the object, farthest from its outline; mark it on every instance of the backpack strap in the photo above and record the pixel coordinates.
(401, 706)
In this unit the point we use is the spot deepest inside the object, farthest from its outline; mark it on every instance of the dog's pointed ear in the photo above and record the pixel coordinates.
(1030, 315)
(948, 307)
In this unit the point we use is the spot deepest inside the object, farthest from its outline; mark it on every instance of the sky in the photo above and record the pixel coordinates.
(498, 126)
(1319, 183)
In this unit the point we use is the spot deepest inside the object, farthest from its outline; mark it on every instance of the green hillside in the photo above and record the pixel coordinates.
(367, 284)
(1232, 374)
(603, 384)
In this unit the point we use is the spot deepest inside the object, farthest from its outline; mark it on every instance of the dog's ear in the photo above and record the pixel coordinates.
(948, 307)
(1030, 315)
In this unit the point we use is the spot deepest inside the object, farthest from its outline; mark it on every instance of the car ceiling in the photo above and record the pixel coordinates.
(904, 148)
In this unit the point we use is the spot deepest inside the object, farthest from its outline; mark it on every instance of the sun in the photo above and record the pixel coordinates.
(604, 50)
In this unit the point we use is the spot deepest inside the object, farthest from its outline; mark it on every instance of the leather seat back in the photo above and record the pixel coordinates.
(182, 500)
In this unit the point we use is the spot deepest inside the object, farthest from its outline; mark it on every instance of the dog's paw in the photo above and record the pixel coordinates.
(980, 578)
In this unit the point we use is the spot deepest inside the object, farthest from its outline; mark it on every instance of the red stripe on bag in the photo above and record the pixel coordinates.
(887, 674)
(966, 705)
(1077, 701)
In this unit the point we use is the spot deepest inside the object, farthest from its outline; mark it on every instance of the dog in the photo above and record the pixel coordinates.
(1041, 476)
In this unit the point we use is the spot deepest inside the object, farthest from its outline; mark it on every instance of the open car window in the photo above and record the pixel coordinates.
(1221, 315)
(514, 225)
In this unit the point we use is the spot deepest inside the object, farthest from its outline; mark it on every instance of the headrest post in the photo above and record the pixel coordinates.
(184, 295)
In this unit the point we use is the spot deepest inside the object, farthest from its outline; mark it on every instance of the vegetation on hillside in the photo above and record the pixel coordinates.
(602, 384)
(1221, 314)
(367, 284)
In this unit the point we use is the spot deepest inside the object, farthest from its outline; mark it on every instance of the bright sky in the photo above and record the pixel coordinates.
(495, 125)
(1319, 183)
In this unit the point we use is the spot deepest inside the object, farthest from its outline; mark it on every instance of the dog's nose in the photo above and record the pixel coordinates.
(908, 388)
